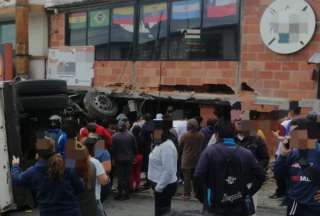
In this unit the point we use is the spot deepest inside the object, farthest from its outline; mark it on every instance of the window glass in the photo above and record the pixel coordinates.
(122, 32)
(153, 31)
(98, 32)
(78, 29)
(185, 30)
(220, 29)
(8, 34)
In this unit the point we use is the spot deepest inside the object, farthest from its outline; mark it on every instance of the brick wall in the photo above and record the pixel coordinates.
(272, 75)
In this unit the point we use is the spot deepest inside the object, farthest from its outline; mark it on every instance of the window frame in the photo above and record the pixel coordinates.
(136, 4)
(9, 22)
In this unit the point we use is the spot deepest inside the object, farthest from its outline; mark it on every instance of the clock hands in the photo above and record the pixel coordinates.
(271, 41)
(305, 8)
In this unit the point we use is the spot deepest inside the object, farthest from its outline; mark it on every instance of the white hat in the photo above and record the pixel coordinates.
(55, 118)
(159, 117)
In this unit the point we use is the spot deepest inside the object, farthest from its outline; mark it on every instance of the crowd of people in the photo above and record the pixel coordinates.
(223, 164)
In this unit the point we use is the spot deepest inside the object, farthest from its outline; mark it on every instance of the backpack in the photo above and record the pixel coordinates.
(229, 187)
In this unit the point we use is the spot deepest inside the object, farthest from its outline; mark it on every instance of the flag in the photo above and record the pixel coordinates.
(123, 16)
(221, 8)
(155, 13)
(99, 18)
(188, 9)
(78, 20)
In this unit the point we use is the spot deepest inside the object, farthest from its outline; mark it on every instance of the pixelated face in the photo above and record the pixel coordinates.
(299, 139)
(157, 134)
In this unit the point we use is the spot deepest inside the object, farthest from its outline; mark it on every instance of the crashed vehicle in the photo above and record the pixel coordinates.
(26, 106)
(25, 109)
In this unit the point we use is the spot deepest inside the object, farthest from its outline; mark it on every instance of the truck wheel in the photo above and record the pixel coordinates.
(99, 105)
(41, 87)
(48, 102)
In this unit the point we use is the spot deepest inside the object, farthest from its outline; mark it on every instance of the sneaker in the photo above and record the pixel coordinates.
(118, 197)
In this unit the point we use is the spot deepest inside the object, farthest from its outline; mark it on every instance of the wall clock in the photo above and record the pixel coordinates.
(287, 26)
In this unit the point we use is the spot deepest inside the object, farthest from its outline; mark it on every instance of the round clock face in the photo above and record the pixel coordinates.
(287, 26)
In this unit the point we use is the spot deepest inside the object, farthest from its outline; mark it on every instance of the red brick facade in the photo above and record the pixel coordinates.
(270, 74)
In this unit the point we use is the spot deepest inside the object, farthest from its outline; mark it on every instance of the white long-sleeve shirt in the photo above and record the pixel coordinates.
(163, 165)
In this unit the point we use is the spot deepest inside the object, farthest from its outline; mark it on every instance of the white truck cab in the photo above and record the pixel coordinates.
(6, 195)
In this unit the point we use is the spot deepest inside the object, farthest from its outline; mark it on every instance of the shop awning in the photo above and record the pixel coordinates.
(315, 58)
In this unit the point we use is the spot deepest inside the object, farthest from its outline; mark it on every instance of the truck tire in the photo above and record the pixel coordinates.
(99, 105)
(41, 87)
(39, 103)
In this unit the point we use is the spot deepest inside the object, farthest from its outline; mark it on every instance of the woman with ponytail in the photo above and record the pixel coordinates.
(87, 171)
(56, 187)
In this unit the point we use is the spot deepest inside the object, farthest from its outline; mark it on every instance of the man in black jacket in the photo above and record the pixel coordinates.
(253, 143)
(213, 178)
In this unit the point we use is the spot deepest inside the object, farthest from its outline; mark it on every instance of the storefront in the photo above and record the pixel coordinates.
(196, 47)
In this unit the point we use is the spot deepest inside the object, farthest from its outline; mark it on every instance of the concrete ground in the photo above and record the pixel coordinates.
(141, 204)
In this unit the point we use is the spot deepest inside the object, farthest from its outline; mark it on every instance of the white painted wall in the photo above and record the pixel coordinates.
(38, 44)
(38, 34)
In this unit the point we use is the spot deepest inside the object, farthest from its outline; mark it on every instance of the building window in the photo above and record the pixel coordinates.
(220, 31)
(8, 34)
(152, 39)
(98, 32)
(78, 29)
(167, 29)
(185, 29)
(122, 33)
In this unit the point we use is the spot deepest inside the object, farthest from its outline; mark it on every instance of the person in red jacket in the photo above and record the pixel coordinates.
(93, 127)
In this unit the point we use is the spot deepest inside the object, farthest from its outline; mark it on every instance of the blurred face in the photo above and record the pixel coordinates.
(157, 134)
(299, 139)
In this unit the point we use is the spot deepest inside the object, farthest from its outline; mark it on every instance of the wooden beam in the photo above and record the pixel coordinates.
(36, 8)
(7, 12)
(22, 40)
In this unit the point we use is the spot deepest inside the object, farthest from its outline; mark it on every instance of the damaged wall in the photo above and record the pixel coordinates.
(269, 74)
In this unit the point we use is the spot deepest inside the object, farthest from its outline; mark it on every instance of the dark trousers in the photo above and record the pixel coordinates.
(124, 172)
(231, 211)
(188, 180)
(162, 204)
(295, 209)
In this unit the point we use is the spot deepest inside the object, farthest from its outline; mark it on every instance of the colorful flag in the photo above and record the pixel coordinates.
(188, 9)
(78, 20)
(99, 18)
(221, 8)
(155, 13)
(123, 16)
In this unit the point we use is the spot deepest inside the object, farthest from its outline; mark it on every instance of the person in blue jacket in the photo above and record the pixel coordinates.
(299, 162)
(57, 134)
(55, 186)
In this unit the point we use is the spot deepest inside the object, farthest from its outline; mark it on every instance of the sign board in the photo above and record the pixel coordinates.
(50, 3)
(7, 3)
(73, 64)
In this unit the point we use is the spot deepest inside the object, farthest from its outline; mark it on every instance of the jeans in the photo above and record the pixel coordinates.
(188, 178)
(162, 204)
(124, 172)
(100, 209)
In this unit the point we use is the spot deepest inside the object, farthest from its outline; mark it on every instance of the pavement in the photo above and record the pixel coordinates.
(141, 204)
